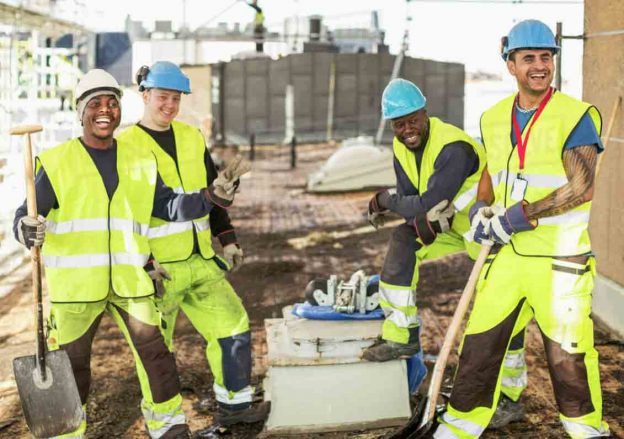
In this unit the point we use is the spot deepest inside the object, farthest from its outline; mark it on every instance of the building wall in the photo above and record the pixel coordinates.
(255, 89)
(603, 81)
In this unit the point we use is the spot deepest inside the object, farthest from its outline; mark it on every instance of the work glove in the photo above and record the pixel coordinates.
(437, 220)
(509, 221)
(378, 207)
(158, 274)
(31, 231)
(480, 215)
(234, 256)
(222, 190)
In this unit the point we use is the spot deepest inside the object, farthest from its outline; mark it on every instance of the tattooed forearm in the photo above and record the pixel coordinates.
(580, 167)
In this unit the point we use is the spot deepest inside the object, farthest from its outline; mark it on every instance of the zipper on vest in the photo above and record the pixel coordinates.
(110, 256)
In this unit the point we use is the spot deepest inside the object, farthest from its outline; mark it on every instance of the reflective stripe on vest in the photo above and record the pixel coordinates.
(561, 235)
(94, 243)
(440, 135)
(173, 241)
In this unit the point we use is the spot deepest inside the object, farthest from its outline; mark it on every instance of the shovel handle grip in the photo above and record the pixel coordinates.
(451, 335)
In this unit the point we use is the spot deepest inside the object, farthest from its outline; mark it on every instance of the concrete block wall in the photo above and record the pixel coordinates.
(254, 94)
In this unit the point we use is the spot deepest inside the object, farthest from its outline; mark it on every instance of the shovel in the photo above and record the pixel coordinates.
(424, 416)
(45, 381)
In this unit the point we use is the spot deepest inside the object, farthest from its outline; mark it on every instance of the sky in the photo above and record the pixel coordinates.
(463, 31)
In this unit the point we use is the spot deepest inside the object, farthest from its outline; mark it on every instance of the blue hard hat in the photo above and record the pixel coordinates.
(400, 98)
(529, 34)
(163, 74)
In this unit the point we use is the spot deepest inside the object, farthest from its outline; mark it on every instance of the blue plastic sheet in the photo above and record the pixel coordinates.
(307, 311)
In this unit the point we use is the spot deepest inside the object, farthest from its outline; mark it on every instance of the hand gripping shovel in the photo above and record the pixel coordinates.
(424, 416)
(45, 381)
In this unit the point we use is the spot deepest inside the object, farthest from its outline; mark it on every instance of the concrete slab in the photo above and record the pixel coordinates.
(316, 381)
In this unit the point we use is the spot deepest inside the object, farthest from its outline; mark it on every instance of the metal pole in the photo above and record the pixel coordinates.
(252, 147)
(293, 152)
(330, 100)
(558, 39)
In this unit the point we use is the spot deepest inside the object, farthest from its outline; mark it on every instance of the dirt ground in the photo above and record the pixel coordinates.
(272, 209)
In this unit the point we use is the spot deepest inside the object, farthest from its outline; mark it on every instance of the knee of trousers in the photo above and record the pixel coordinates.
(236, 361)
(160, 367)
(400, 261)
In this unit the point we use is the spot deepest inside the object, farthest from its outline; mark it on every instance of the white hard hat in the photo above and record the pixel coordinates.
(95, 82)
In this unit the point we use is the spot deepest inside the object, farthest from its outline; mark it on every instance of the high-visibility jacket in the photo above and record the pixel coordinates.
(173, 241)
(440, 135)
(559, 235)
(94, 243)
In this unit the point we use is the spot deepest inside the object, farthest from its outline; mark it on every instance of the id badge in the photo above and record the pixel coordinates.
(518, 189)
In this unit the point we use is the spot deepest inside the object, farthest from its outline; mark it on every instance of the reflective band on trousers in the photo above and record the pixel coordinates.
(577, 430)
(95, 260)
(534, 180)
(393, 304)
(443, 432)
(397, 297)
(169, 421)
(464, 199)
(515, 360)
(461, 424)
(521, 380)
(96, 225)
(177, 227)
(242, 396)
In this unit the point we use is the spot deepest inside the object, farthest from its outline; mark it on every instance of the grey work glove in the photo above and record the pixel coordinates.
(377, 207)
(222, 190)
(437, 220)
(31, 231)
(234, 256)
(158, 274)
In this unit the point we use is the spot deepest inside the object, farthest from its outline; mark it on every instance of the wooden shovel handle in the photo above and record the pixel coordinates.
(35, 254)
(451, 334)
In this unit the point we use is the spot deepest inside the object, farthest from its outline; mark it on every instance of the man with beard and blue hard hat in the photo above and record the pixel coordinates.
(534, 202)
(197, 285)
(95, 197)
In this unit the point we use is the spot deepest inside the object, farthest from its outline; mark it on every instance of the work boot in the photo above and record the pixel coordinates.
(180, 431)
(507, 411)
(388, 350)
(254, 413)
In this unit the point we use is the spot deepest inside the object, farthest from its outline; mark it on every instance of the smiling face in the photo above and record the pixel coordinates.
(411, 129)
(161, 107)
(533, 68)
(101, 117)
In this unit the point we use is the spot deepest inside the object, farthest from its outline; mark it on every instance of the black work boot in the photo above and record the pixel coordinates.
(180, 431)
(507, 411)
(389, 350)
(254, 413)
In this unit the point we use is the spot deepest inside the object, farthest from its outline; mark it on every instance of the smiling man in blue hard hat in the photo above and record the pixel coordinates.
(534, 203)
(434, 162)
(198, 286)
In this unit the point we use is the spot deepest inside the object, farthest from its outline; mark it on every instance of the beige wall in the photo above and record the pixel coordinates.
(196, 107)
(603, 81)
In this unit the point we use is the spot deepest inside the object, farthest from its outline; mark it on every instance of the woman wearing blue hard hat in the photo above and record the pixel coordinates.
(197, 284)
(534, 203)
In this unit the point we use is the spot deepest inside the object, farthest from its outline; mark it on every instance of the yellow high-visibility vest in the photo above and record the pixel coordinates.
(173, 241)
(559, 235)
(92, 243)
(440, 135)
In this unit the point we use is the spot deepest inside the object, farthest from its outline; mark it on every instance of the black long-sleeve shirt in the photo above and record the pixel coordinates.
(456, 162)
(168, 205)
(220, 223)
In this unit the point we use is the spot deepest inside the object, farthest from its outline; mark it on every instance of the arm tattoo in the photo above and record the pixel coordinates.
(580, 167)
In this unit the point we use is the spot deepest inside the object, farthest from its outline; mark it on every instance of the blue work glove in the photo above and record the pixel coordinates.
(508, 222)
(480, 215)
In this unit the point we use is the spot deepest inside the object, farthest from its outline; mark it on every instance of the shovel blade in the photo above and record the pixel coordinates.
(52, 406)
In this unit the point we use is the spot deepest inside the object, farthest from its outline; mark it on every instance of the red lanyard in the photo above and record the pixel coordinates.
(522, 143)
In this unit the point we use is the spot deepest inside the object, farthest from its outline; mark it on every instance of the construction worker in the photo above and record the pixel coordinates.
(95, 197)
(534, 202)
(258, 29)
(434, 162)
(198, 285)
